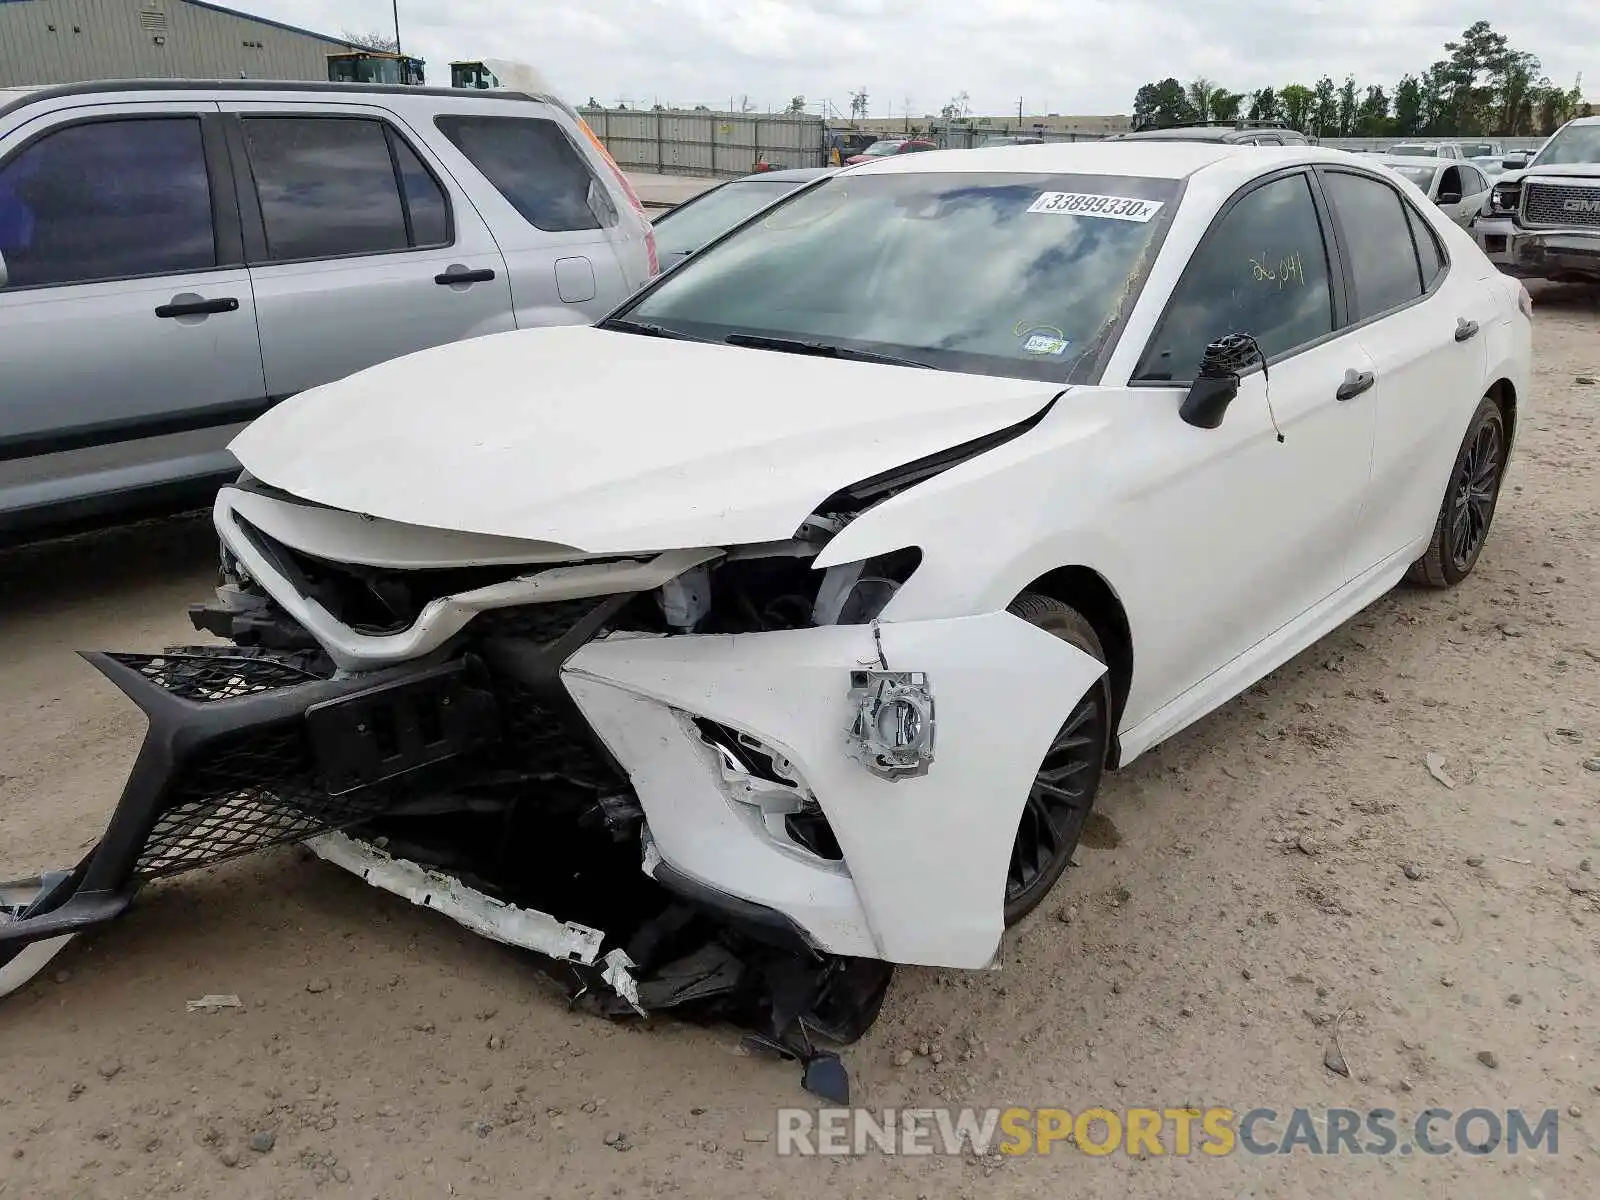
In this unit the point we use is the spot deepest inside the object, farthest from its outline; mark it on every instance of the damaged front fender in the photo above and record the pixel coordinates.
(921, 877)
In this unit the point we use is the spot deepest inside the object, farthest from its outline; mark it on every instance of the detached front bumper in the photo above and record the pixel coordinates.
(1558, 254)
(243, 752)
(762, 802)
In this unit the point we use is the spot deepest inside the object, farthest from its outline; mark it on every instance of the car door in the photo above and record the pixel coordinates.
(1451, 193)
(1420, 317)
(1256, 517)
(128, 351)
(360, 248)
(1474, 194)
(562, 237)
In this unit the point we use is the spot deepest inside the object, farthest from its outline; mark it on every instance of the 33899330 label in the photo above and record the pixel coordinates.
(1087, 204)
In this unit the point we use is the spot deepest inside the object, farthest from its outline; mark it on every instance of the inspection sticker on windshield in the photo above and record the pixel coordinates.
(1085, 204)
(1043, 343)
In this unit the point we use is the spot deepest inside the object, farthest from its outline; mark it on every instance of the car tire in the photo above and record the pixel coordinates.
(1068, 779)
(1467, 510)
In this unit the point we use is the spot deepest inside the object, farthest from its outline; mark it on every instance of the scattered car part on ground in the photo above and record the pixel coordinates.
(180, 256)
(725, 688)
(686, 227)
(1542, 220)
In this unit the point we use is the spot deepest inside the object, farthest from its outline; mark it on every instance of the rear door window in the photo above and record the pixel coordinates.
(1430, 253)
(1377, 242)
(331, 187)
(535, 166)
(107, 200)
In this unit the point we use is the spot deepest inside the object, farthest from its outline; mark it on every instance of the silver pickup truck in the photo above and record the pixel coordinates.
(177, 257)
(1542, 219)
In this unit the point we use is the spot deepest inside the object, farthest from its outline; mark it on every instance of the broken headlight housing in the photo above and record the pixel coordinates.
(1504, 197)
(856, 593)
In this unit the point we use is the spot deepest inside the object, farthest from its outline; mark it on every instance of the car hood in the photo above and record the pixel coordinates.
(1554, 171)
(611, 442)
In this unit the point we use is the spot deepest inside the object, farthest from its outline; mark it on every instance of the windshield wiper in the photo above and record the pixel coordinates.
(761, 341)
(623, 325)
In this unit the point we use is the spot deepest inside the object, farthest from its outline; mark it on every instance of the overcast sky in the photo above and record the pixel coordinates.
(1064, 56)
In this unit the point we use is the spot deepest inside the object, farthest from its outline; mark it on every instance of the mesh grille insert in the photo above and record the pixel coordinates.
(255, 789)
(194, 675)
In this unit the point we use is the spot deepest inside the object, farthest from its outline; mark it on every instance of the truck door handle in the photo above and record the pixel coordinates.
(1465, 330)
(197, 307)
(461, 275)
(1355, 382)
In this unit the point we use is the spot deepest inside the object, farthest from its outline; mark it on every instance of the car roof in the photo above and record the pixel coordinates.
(787, 175)
(1149, 159)
(1206, 133)
(1414, 160)
(15, 97)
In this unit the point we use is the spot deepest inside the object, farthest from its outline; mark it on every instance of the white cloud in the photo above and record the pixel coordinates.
(1083, 57)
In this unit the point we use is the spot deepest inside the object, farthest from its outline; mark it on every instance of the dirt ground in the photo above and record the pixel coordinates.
(1284, 874)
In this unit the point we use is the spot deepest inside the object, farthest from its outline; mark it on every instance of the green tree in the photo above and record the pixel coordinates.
(1297, 100)
(797, 104)
(1198, 93)
(1372, 118)
(1325, 108)
(1162, 104)
(1225, 105)
(1410, 104)
(1349, 106)
(1265, 106)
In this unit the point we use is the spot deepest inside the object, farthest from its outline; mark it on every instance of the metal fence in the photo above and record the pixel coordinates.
(706, 143)
(681, 142)
(959, 135)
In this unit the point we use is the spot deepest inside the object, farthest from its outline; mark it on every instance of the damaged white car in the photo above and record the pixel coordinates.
(781, 627)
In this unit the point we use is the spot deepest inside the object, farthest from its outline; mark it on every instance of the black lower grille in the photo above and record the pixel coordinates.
(208, 676)
(245, 792)
(552, 743)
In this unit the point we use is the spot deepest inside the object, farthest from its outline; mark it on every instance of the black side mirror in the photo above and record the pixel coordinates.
(1449, 198)
(1217, 381)
(1514, 164)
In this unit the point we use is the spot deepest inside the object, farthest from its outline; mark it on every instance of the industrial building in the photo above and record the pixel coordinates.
(62, 41)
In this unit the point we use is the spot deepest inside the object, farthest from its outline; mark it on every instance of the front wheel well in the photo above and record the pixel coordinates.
(1087, 591)
(1504, 394)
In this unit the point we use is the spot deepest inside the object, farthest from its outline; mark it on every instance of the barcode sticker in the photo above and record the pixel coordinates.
(1085, 204)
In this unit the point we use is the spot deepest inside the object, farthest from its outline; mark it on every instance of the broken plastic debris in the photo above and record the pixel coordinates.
(618, 976)
(483, 914)
(1436, 769)
(207, 1003)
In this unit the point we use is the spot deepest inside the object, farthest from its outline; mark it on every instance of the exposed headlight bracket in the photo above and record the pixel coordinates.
(892, 730)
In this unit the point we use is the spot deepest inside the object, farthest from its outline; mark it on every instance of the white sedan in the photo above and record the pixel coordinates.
(1461, 189)
(794, 614)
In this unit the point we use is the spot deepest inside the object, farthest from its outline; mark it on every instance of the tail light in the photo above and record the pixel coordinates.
(627, 189)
